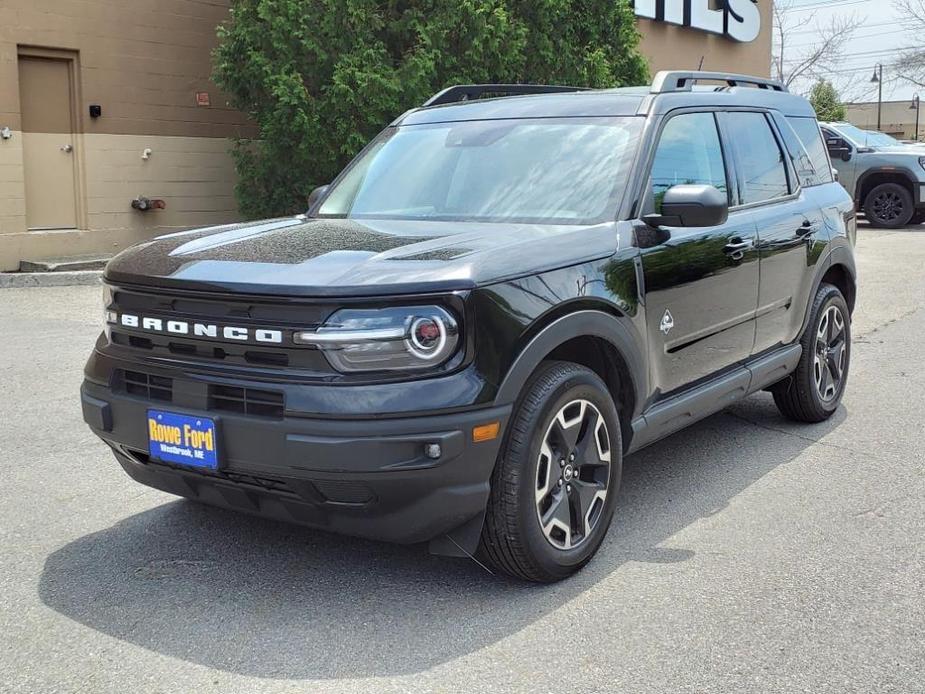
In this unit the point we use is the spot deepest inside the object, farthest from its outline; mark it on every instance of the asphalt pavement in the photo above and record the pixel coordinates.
(748, 554)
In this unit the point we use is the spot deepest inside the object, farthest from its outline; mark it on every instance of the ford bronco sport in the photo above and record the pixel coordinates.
(494, 304)
(886, 179)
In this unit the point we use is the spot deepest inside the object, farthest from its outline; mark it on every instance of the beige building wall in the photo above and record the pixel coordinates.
(671, 47)
(898, 119)
(143, 62)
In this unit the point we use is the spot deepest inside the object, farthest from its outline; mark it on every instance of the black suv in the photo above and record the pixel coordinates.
(508, 291)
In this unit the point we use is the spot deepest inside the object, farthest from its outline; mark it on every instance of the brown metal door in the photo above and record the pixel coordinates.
(46, 94)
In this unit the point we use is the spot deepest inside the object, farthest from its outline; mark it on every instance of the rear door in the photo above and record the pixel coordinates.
(701, 284)
(788, 220)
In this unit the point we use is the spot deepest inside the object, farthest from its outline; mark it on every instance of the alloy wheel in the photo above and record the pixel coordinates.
(888, 206)
(573, 474)
(831, 359)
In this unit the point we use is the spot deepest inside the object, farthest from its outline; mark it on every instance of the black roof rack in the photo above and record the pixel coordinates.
(668, 81)
(468, 92)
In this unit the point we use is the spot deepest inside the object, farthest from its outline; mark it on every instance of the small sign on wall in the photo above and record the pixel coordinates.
(202, 99)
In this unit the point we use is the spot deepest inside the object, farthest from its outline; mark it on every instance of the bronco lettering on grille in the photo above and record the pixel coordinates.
(208, 330)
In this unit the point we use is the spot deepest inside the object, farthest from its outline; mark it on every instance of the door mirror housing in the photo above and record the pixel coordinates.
(316, 195)
(691, 206)
(843, 153)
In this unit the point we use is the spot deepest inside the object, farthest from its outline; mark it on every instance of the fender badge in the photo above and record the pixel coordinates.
(667, 323)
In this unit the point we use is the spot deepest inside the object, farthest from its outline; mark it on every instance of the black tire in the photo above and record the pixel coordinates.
(889, 206)
(800, 396)
(513, 539)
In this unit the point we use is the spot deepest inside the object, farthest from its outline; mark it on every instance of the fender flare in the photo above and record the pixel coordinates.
(586, 323)
(838, 255)
(893, 171)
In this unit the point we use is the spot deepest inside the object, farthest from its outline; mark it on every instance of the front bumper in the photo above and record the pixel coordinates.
(364, 477)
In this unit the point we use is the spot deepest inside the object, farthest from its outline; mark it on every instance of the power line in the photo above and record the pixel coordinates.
(821, 4)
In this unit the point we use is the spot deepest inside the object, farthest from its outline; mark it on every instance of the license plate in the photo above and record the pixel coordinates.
(182, 440)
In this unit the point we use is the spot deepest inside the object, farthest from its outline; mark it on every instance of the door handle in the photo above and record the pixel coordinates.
(736, 248)
(808, 228)
(67, 149)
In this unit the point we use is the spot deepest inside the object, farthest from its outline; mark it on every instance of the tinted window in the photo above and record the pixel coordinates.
(761, 162)
(834, 143)
(807, 129)
(688, 152)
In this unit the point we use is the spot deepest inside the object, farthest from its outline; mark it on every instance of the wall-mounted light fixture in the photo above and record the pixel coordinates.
(6, 133)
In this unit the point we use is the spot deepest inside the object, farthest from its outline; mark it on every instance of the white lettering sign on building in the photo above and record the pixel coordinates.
(738, 19)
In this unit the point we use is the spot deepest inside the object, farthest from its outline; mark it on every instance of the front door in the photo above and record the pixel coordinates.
(46, 95)
(701, 285)
(844, 159)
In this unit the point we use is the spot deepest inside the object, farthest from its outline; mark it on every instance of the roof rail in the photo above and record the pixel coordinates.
(468, 92)
(675, 81)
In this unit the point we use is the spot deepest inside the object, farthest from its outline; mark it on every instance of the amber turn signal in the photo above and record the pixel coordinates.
(486, 432)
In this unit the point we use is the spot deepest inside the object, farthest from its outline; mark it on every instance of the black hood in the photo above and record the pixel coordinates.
(337, 257)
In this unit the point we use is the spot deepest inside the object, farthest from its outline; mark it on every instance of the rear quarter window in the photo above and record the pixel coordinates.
(807, 129)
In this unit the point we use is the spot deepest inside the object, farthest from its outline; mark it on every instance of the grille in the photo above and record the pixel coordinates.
(147, 386)
(241, 311)
(247, 401)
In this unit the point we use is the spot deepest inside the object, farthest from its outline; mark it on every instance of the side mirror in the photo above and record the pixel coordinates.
(691, 206)
(315, 196)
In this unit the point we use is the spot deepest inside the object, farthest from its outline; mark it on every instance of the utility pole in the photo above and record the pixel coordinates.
(917, 107)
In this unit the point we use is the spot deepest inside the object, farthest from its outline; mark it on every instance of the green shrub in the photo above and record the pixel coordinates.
(321, 77)
(824, 98)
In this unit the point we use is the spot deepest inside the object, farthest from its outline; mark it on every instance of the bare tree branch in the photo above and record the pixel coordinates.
(817, 58)
(910, 65)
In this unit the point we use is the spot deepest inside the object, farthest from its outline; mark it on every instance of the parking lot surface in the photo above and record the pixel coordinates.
(747, 553)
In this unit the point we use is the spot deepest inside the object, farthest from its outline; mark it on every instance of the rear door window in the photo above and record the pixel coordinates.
(760, 161)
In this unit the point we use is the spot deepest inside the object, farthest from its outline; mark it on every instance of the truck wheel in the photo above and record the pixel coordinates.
(554, 488)
(814, 391)
(889, 205)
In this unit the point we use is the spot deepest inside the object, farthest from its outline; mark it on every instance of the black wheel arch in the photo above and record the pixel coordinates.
(604, 342)
(838, 268)
(872, 178)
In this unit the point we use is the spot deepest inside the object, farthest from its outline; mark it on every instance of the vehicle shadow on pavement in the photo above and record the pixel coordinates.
(270, 600)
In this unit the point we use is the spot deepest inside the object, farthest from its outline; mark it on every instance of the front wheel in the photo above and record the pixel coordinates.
(814, 392)
(889, 205)
(554, 488)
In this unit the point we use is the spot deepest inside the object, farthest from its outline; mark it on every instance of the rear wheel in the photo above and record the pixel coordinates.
(889, 205)
(554, 487)
(814, 392)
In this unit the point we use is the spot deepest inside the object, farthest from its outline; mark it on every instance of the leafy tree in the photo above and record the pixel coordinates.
(321, 77)
(824, 99)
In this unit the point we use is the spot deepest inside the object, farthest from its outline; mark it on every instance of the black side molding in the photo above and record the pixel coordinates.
(673, 414)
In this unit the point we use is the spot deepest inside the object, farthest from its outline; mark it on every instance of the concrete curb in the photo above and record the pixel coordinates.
(19, 280)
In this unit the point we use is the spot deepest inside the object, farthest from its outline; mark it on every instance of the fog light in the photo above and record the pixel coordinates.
(433, 451)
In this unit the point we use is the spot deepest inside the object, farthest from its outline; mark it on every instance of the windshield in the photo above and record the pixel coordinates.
(541, 170)
(866, 138)
(878, 139)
